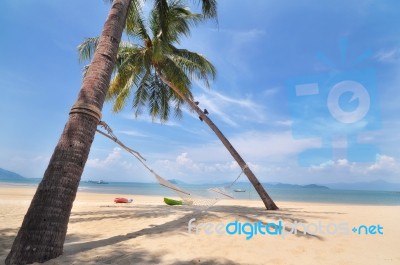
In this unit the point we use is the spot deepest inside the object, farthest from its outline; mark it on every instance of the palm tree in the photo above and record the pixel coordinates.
(162, 73)
(42, 234)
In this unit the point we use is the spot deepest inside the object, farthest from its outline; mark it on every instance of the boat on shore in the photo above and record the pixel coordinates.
(122, 200)
(101, 182)
(97, 181)
(172, 201)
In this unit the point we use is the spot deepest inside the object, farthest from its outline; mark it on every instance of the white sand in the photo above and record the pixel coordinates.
(150, 232)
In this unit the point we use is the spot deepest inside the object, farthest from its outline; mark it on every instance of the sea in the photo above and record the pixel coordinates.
(278, 194)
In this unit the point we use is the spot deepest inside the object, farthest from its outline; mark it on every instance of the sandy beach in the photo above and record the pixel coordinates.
(149, 232)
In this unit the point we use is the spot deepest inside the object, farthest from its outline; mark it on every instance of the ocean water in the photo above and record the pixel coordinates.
(278, 194)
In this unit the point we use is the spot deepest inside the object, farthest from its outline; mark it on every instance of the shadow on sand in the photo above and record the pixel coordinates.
(136, 255)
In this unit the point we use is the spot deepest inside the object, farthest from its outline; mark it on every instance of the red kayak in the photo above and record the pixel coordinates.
(122, 200)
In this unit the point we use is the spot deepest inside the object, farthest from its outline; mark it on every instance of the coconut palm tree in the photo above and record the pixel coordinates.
(42, 234)
(158, 73)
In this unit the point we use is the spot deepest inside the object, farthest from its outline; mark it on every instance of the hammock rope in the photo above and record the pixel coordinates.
(187, 197)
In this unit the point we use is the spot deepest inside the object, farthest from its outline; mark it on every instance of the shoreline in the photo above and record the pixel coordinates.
(164, 192)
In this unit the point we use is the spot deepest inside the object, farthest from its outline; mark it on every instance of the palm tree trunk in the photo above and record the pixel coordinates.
(42, 234)
(268, 202)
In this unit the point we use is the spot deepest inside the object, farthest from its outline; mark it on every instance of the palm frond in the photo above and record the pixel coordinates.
(129, 56)
(118, 83)
(141, 95)
(193, 64)
(159, 13)
(174, 74)
(141, 68)
(179, 21)
(158, 51)
(87, 48)
(135, 23)
(209, 8)
(128, 66)
(175, 22)
(126, 44)
(123, 95)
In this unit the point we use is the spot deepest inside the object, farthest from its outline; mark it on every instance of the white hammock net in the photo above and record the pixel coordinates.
(208, 198)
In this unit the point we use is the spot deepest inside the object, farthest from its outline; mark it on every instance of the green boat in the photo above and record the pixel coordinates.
(172, 202)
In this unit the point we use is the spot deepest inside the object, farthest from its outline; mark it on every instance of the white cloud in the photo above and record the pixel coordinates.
(26, 165)
(230, 110)
(275, 146)
(183, 160)
(253, 146)
(215, 109)
(323, 165)
(344, 170)
(265, 153)
(192, 170)
(111, 159)
(383, 162)
(286, 123)
(389, 55)
(342, 162)
(133, 133)
(270, 92)
(118, 165)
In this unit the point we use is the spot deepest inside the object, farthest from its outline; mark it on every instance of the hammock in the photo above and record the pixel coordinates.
(211, 196)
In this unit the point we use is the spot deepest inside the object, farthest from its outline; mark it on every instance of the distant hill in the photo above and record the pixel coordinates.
(377, 185)
(315, 186)
(280, 185)
(177, 182)
(8, 175)
(294, 186)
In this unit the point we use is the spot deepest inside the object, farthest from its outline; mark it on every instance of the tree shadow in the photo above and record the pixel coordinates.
(7, 236)
(139, 256)
(152, 230)
(74, 244)
(140, 211)
(206, 261)
(255, 214)
(251, 214)
(119, 257)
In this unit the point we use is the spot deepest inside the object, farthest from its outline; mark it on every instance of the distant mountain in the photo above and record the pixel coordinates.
(294, 186)
(314, 186)
(378, 185)
(8, 175)
(177, 182)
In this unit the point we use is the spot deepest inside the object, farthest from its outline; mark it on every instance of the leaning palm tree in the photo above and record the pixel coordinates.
(43, 230)
(42, 234)
(158, 73)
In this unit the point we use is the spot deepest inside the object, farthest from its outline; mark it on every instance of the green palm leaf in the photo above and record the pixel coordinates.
(150, 56)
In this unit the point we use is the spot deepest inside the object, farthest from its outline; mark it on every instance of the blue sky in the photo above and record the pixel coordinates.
(259, 47)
